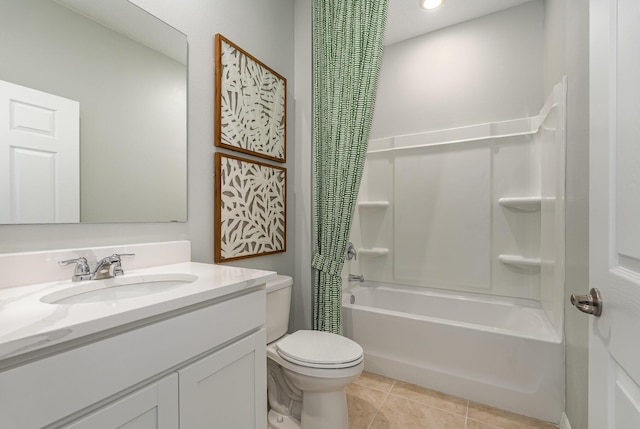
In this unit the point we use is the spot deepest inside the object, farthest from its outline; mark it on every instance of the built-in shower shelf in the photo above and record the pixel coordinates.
(373, 204)
(374, 251)
(530, 204)
(520, 261)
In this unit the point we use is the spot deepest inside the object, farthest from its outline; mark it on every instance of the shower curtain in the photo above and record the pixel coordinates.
(347, 53)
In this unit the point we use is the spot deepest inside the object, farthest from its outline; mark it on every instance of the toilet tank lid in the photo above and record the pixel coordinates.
(278, 283)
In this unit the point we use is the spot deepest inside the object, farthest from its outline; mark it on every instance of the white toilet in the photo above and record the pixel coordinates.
(307, 371)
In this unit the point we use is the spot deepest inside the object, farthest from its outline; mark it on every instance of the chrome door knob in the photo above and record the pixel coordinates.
(590, 304)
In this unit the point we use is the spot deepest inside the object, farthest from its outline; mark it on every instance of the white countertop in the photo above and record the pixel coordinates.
(27, 324)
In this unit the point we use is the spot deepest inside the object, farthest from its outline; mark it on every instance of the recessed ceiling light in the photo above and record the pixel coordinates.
(430, 4)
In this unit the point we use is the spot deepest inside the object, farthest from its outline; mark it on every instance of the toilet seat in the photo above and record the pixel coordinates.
(317, 349)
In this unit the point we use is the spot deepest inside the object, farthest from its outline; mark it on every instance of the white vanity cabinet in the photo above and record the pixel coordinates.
(219, 390)
(196, 367)
(226, 389)
(151, 407)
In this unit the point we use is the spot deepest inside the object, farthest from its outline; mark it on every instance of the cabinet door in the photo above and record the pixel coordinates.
(152, 407)
(226, 389)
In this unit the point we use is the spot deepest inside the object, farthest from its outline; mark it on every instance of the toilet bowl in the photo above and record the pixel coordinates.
(307, 371)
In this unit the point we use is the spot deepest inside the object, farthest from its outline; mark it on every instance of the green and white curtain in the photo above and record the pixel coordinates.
(347, 53)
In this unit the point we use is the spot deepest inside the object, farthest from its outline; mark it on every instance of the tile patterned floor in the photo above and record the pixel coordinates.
(377, 402)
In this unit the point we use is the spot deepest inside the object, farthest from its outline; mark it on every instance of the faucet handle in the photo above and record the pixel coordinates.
(118, 271)
(351, 252)
(82, 270)
(118, 255)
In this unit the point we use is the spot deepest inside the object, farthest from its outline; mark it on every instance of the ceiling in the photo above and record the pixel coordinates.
(407, 19)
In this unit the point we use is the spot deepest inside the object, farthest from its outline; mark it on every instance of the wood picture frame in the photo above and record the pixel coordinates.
(250, 212)
(250, 104)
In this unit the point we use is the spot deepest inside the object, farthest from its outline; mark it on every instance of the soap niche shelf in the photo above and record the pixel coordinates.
(528, 204)
(522, 204)
(373, 204)
(373, 251)
(520, 261)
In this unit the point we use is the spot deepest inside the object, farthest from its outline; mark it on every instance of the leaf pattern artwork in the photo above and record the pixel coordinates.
(252, 208)
(252, 105)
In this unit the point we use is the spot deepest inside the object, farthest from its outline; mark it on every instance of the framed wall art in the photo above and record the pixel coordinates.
(250, 104)
(250, 208)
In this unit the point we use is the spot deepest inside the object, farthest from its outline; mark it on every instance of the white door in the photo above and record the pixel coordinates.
(39, 156)
(614, 337)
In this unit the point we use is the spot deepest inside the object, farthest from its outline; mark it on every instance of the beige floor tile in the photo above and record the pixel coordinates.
(408, 406)
(375, 381)
(430, 397)
(474, 424)
(504, 419)
(400, 413)
(363, 404)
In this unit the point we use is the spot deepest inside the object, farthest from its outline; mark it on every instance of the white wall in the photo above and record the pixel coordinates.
(567, 53)
(485, 70)
(263, 28)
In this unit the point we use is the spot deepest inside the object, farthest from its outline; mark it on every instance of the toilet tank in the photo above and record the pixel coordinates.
(278, 305)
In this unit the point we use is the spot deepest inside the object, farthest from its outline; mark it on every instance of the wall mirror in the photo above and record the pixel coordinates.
(93, 117)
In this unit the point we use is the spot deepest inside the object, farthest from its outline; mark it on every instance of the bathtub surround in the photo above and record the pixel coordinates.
(347, 47)
(497, 229)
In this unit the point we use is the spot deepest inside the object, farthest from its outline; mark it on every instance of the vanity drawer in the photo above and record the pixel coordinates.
(45, 391)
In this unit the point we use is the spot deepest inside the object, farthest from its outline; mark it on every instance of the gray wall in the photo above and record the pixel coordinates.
(567, 53)
(484, 70)
(302, 313)
(264, 29)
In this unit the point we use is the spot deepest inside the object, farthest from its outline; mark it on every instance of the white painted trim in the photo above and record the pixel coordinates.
(564, 421)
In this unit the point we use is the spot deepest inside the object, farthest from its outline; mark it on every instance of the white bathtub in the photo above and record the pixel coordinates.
(496, 351)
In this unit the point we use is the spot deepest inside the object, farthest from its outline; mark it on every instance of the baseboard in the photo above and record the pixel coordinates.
(564, 422)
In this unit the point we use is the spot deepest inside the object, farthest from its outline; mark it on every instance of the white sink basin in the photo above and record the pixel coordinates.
(118, 288)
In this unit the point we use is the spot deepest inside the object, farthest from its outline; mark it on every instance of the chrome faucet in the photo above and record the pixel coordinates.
(110, 266)
(106, 268)
(356, 277)
(82, 271)
(351, 252)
